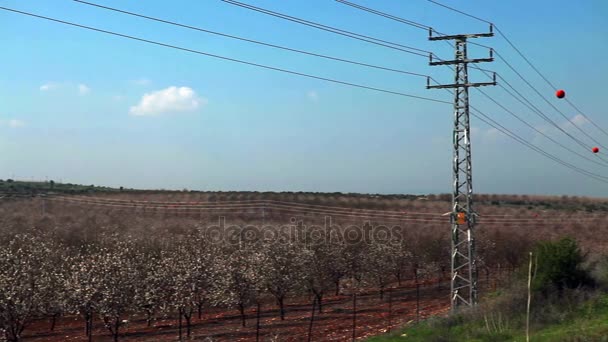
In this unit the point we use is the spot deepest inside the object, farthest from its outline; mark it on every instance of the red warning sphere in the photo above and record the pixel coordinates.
(560, 94)
(595, 150)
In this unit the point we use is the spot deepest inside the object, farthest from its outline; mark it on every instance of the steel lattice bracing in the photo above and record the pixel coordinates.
(463, 286)
(463, 289)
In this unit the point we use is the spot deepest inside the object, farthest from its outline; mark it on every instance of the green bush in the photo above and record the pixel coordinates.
(559, 266)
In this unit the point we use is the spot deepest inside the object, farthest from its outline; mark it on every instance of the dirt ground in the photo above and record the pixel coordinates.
(335, 323)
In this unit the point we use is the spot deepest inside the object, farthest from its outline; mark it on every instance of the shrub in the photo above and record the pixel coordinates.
(559, 266)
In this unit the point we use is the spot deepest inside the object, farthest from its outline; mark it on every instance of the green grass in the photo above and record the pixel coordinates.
(588, 322)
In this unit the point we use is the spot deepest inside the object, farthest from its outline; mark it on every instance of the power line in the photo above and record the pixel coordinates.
(461, 12)
(500, 56)
(504, 36)
(300, 208)
(534, 110)
(547, 101)
(585, 116)
(547, 80)
(353, 35)
(251, 40)
(386, 15)
(538, 112)
(401, 20)
(512, 135)
(493, 123)
(537, 130)
(227, 58)
(522, 141)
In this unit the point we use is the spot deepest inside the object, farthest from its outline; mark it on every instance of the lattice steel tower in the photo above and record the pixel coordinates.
(463, 289)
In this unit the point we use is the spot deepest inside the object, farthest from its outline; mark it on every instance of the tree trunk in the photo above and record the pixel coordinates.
(319, 297)
(337, 287)
(180, 324)
(354, 316)
(390, 309)
(54, 321)
(398, 278)
(188, 317)
(243, 316)
(90, 328)
(257, 323)
(417, 303)
(200, 309)
(13, 333)
(312, 318)
(149, 315)
(116, 327)
(281, 301)
(86, 324)
(381, 291)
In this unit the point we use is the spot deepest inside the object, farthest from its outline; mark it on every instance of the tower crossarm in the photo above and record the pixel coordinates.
(463, 287)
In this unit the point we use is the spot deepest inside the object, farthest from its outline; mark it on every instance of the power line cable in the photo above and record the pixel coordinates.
(493, 123)
(537, 130)
(251, 40)
(402, 20)
(535, 110)
(386, 15)
(372, 40)
(521, 54)
(422, 26)
(590, 174)
(226, 58)
(419, 25)
(586, 117)
(522, 141)
(547, 101)
(461, 12)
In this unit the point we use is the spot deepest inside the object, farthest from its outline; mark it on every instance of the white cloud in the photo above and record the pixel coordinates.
(566, 125)
(313, 96)
(579, 120)
(12, 123)
(492, 134)
(488, 135)
(118, 98)
(172, 99)
(49, 86)
(83, 89)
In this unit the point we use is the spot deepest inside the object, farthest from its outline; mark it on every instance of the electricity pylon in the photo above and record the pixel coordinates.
(463, 288)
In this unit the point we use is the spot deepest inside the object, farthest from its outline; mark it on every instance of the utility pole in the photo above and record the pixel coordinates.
(463, 288)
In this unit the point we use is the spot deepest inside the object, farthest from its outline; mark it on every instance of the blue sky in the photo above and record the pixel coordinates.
(85, 107)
